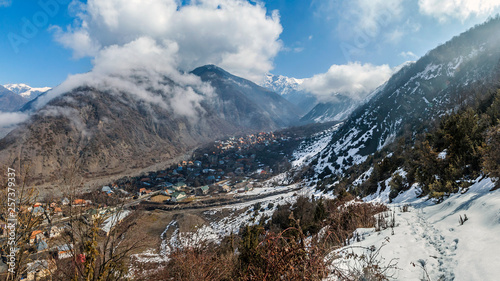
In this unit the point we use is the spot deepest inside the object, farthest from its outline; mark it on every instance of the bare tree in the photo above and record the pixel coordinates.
(21, 219)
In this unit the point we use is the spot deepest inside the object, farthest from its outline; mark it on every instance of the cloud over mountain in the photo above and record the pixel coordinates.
(234, 34)
(354, 80)
(140, 69)
(460, 9)
(9, 119)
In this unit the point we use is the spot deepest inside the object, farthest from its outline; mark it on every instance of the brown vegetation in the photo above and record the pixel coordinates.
(279, 250)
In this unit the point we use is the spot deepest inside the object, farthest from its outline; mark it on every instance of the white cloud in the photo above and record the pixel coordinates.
(460, 9)
(139, 68)
(367, 25)
(139, 45)
(10, 119)
(79, 41)
(233, 34)
(394, 36)
(408, 55)
(368, 17)
(5, 3)
(354, 80)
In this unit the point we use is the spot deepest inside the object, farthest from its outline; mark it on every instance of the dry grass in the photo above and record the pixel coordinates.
(160, 198)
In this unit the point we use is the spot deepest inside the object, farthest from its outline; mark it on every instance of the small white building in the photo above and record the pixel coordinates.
(64, 251)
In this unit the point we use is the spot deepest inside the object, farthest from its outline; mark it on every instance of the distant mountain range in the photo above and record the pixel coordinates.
(26, 91)
(14, 96)
(436, 84)
(310, 108)
(10, 101)
(289, 88)
(102, 132)
(246, 103)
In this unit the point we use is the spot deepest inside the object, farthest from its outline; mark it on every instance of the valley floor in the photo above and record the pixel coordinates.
(429, 242)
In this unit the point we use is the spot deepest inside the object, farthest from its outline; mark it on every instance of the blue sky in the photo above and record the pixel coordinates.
(315, 35)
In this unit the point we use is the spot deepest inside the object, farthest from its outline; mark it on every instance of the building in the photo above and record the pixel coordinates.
(40, 269)
(144, 191)
(205, 189)
(169, 191)
(113, 220)
(58, 211)
(65, 201)
(79, 203)
(165, 185)
(34, 236)
(178, 196)
(180, 185)
(41, 245)
(64, 251)
(54, 232)
(38, 211)
(106, 189)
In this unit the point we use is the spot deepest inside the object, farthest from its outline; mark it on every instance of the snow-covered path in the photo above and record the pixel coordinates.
(429, 237)
(439, 247)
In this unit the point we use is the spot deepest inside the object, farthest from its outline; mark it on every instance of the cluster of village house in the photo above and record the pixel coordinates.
(224, 170)
(224, 167)
(46, 239)
(183, 177)
(180, 191)
(210, 175)
(246, 142)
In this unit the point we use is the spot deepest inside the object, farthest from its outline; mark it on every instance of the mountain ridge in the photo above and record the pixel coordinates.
(419, 91)
(10, 101)
(26, 91)
(105, 132)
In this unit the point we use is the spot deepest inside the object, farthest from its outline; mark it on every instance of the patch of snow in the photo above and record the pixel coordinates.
(364, 177)
(307, 150)
(381, 196)
(442, 154)
(409, 196)
(431, 236)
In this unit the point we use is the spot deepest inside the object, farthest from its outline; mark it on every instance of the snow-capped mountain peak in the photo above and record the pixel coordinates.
(26, 91)
(290, 89)
(281, 84)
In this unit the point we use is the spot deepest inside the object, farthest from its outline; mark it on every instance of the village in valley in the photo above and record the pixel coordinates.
(235, 165)
(224, 169)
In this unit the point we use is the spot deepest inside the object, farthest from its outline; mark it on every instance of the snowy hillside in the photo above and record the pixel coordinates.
(429, 237)
(26, 91)
(332, 111)
(436, 84)
(219, 226)
(309, 148)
